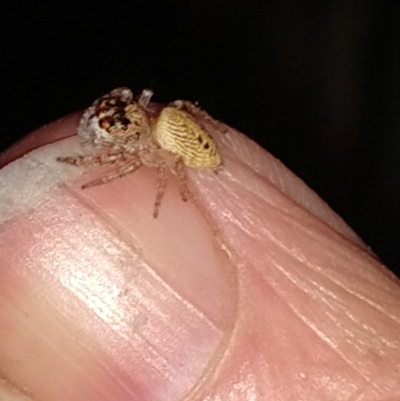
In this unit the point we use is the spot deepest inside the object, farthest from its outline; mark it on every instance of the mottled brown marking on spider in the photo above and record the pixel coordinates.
(115, 120)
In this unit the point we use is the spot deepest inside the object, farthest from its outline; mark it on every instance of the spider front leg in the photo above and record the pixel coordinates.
(92, 160)
(127, 169)
(145, 97)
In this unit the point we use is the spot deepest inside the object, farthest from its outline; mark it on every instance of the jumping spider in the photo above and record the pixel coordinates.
(122, 132)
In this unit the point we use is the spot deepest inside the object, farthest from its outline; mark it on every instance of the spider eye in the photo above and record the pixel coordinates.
(106, 122)
(120, 104)
(125, 122)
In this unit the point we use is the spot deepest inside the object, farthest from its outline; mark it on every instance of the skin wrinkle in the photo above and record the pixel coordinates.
(320, 333)
(353, 318)
(303, 260)
(315, 267)
(323, 337)
(293, 218)
(270, 168)
(334, 318)
(341, 284)
(345, 311)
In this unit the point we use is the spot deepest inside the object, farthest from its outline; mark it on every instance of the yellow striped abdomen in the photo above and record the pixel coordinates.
(177, 131)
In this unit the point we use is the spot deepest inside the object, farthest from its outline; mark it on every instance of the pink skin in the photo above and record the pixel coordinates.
(257, 291)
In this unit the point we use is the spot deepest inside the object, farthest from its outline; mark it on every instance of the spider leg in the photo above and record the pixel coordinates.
(132, 167)
(179, 170)
(191, 108)
(144, 98)
(195, 110)
(161, 186)
(92, 160)
(186, 105)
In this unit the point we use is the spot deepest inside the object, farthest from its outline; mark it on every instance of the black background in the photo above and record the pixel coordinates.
(317, 83)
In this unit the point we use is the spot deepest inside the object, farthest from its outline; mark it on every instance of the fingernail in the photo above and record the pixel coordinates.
(99, 300)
